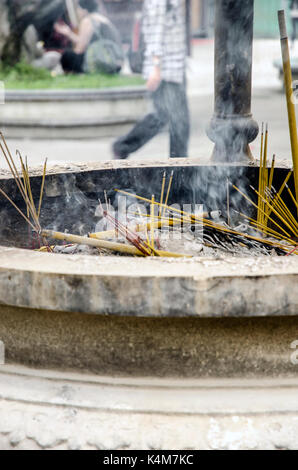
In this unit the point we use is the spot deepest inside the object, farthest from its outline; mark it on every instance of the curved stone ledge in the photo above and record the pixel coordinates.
(123, 93)
(149, 288)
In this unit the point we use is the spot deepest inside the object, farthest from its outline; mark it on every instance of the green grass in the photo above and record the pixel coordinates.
(23, 76)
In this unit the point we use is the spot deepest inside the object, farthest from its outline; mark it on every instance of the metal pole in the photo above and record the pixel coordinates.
(232, 127)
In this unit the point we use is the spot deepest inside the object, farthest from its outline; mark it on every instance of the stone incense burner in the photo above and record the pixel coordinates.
(104, 325)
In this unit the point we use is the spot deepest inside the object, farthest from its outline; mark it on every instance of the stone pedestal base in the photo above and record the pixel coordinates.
(232, 136)
(51, 410)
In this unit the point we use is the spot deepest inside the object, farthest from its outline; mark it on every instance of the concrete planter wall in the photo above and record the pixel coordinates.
(71, 114)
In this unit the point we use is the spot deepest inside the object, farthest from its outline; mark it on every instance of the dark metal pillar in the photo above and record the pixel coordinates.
(232, 127)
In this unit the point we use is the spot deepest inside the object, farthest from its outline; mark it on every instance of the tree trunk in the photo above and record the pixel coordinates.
(16, 16)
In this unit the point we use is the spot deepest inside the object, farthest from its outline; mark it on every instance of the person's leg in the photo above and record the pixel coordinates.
(145, 129)
(50, 60)
(179, 121)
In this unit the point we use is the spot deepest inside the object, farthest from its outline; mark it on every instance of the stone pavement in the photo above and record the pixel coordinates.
(268, 105)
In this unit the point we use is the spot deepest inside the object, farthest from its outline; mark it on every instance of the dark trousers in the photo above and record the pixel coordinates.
(171, 107)
(72, 62)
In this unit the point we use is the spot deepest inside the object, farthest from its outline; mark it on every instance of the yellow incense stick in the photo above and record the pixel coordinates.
(289, 94)
(292, 196)
(282, 188)
(261, 173)
(168, 192)
(248, 199)
(16, 207)
(119, 247)
(264, 174)
(162, 192)
(42, 188)
(213, 225)
(152, 222)
(270, 183)
(285, 212)
(272, 172)
(278, 215)
(25, 188)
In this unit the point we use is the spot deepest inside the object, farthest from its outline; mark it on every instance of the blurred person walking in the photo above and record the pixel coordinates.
(294, 18)
(164, 63)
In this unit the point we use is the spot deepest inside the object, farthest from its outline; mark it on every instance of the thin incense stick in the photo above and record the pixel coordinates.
(42, 189)
(168, 192)
(261, 173)
(152, 207)
(19, 210)
(288, 80)
(162, 192)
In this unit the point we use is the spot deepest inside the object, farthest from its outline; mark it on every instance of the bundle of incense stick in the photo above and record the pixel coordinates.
(106, 245)
(265, 181)
(137, 247)
(130, 236)
(269, 201)
(22, 181)
(288, 82)
(285, 225)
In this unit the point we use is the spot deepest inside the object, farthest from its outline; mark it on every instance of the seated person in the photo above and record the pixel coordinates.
(90, 22)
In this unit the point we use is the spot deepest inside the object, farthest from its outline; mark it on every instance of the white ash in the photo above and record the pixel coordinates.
(180, 241)
(76, 249)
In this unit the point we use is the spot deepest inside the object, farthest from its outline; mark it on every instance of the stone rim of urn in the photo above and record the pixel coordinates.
(232, 127)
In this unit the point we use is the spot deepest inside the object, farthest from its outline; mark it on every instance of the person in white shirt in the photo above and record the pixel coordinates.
(164, 33)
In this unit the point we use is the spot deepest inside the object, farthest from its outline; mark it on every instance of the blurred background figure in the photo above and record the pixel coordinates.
(163, 64)
(96, 45)
(294, 18)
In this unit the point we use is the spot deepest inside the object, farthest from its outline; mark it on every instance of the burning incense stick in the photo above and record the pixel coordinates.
(292, 196)
(188, 217)
(168, 192)
(249, 200)
(285, 207)
(139, 228)
(281, 189)
(289, 92)
(260, 173)
(152, 207)
(270, 186)
(118, 247)
(162, 192)
(264, 175)
(164, 206)
(16, 207)
(22, 185)
(228, 202)
(280, 216)
(42, 188)
(130, 236)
